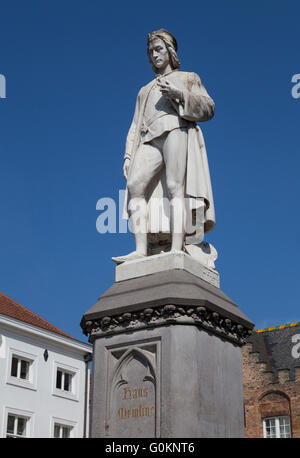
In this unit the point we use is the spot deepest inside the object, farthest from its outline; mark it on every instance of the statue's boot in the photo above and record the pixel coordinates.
(129, 257)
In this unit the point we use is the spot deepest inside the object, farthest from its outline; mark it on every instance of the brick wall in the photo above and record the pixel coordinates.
(267, 396)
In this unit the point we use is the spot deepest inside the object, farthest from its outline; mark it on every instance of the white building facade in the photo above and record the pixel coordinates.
(44, 382)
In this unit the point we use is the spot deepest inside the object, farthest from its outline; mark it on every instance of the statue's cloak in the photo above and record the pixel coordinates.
(196, 107)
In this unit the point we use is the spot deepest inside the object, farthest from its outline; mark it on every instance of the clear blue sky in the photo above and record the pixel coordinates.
(73, 70)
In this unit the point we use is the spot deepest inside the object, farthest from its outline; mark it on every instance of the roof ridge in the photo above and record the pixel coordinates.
(276, 328)
(40, 318)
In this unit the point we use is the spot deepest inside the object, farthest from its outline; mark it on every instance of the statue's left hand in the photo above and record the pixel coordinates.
(169, 90)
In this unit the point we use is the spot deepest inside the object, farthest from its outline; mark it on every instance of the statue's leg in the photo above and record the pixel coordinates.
(175, 157)
(148, 161)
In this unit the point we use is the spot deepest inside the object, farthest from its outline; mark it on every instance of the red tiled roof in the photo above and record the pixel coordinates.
(11, 308)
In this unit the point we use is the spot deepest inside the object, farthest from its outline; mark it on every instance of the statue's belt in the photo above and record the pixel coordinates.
(146, 125)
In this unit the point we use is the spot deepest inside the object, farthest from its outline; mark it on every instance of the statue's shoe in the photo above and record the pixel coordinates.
(128, 257)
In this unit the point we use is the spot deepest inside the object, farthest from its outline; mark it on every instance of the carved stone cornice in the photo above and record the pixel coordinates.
(164, 315)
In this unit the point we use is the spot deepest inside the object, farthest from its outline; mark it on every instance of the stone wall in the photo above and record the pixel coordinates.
(267, 394)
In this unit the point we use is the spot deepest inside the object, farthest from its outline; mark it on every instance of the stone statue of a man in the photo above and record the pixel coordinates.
(165, 154)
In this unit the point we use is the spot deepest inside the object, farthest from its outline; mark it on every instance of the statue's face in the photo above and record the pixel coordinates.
(159, 54)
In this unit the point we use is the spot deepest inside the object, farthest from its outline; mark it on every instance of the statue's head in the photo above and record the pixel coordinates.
(161, 50)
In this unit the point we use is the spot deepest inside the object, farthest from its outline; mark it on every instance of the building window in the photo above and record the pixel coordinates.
(20, 368)
(62, 431)
(63, 428)
(279, 427)
(64, 380)
(16, 426)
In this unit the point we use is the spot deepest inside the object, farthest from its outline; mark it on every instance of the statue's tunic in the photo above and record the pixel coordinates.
(148, 123)
(160, 116)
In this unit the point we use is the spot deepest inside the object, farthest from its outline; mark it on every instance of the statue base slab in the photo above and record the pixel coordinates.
(164, 262)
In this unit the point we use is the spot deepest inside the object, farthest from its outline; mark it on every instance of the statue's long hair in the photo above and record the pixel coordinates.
(170, 43)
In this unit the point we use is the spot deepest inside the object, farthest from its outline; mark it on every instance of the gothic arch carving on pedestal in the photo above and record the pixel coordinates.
(133, 392)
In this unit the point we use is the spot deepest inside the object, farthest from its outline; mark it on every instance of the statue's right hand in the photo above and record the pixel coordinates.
(126, 167)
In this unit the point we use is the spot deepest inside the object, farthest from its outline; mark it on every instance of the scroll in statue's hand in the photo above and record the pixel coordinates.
(169, 90)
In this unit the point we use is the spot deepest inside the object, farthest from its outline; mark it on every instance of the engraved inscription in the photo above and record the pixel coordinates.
(133, 399)
(136, 403)
(135, 412)
(134, 393)
(139, 411)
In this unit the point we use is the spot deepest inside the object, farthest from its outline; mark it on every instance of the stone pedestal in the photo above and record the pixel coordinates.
(167, 358)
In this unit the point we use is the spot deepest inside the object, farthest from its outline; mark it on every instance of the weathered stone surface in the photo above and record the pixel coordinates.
(174, 296)
(167, 359)
(170, 381)
(165, 262)
(132, 393)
